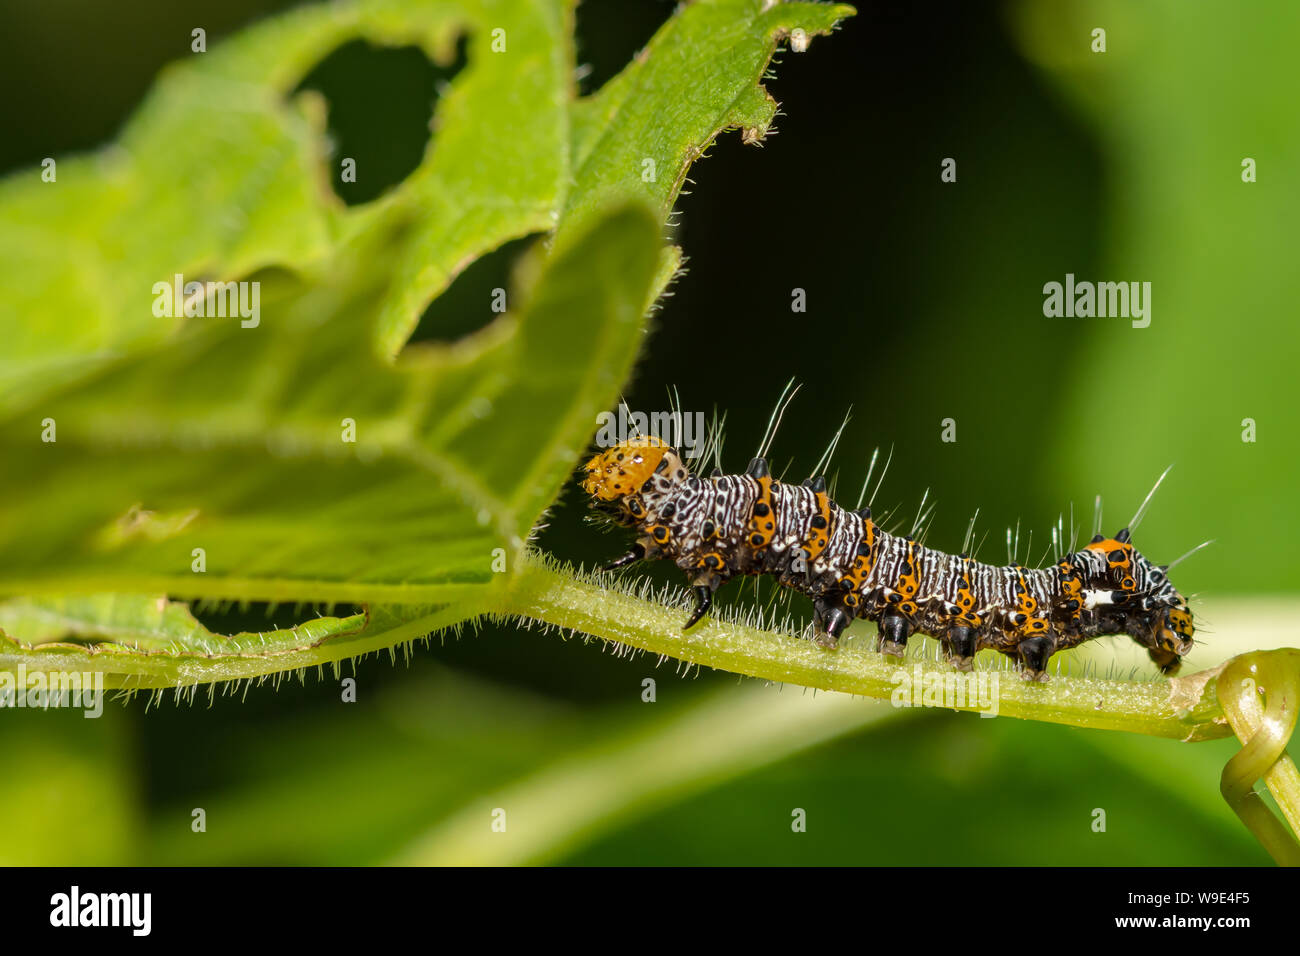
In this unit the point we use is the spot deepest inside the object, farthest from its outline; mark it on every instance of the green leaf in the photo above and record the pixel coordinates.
(140, 643)
(207, 434)
(451, 461)
(219, 174)
(638, 135)
(150, 455)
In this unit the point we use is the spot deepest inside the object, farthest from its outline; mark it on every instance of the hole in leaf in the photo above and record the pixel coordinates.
(381, 102)
(609, 35)
(476, 297)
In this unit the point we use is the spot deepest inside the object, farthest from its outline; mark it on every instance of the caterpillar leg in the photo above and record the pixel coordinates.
(831, 622)
(958, 644)
(703, 602)
(894, 632)
(636, 554)
(1034, 653)
(706, 577)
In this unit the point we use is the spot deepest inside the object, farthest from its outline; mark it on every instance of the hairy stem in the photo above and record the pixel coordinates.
(1184, 709)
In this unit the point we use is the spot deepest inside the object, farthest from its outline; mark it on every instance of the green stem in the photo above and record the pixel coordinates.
(1184, 709)
(1264, 730)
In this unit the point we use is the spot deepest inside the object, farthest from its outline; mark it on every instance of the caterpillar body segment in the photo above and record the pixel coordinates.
(725, 526)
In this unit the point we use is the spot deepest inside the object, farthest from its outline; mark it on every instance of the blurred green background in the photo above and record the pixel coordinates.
(924, 303)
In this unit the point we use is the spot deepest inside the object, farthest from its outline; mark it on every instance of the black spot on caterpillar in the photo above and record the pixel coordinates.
(752, 524)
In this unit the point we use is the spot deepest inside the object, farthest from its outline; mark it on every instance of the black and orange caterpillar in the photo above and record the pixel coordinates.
(726, 525)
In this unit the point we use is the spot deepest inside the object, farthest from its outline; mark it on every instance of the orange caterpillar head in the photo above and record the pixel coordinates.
(621, 471)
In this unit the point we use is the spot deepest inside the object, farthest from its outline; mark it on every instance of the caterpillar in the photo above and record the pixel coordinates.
(723, 526)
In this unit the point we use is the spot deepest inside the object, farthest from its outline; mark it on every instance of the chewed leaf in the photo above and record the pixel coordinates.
(206, 389)
(153, 625)
(220, 174)
(639, 134)
(141, 642)
(274, 467)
